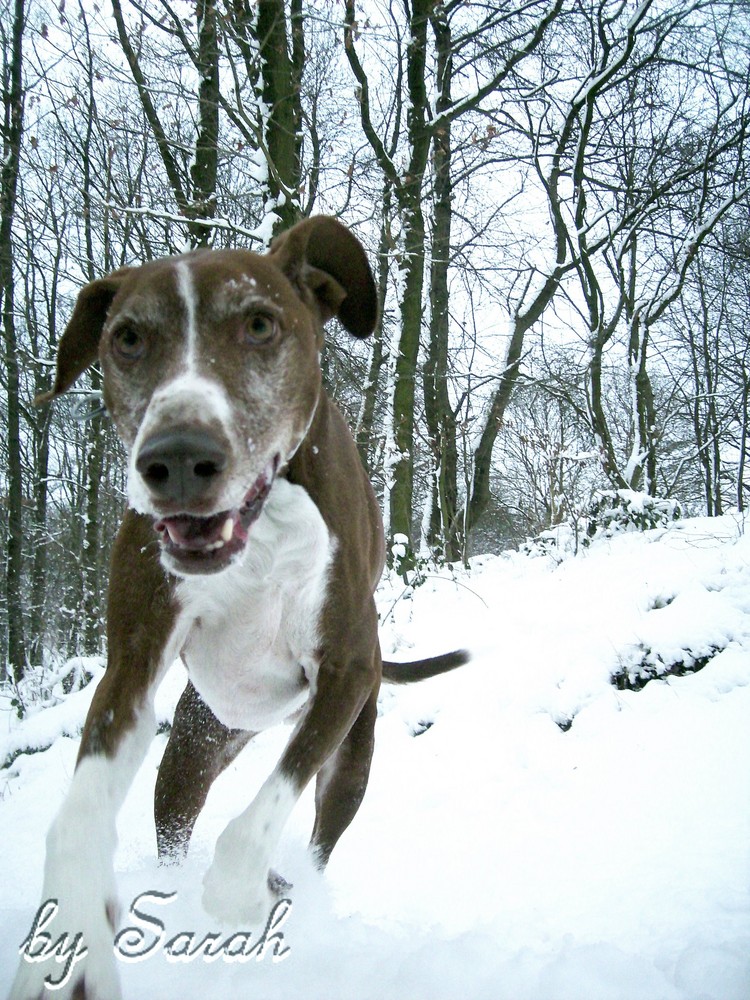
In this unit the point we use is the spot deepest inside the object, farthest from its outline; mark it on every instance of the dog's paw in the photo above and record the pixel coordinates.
(68, 952)
(236, 902)
(236, 887)
(68, 957)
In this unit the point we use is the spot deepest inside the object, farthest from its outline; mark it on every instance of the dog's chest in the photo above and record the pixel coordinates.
(253, 629)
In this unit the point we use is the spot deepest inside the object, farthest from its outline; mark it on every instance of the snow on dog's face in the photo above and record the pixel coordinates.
(212, 379)
(212, 376)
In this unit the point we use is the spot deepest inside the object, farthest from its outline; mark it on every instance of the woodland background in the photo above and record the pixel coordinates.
(554, 195)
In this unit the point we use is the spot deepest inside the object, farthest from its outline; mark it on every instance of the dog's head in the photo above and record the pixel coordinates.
(212, 376)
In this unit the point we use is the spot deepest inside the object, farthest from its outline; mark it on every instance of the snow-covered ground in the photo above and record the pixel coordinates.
(530, 832)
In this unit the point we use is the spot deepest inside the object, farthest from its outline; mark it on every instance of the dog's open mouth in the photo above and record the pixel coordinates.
(209, 544)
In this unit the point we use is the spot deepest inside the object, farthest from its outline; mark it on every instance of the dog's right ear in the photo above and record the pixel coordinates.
(79, 344)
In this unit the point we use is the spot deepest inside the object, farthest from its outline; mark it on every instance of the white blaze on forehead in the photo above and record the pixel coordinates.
(186, 290)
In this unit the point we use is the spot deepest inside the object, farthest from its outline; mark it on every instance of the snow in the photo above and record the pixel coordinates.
(529, 832)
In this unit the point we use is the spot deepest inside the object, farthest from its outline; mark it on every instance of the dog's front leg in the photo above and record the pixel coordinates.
(236, 885)
(79, 886)
(79, 874)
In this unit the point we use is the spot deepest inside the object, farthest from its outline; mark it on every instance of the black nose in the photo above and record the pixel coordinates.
(181, 466)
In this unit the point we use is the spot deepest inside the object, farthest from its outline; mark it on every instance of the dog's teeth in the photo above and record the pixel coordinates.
(228, 529)
(215, 545)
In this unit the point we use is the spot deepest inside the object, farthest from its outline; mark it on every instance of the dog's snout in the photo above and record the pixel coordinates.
(181, 467)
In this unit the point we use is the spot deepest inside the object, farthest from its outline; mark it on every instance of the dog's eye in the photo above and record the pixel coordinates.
(128, 343)
(260, 328)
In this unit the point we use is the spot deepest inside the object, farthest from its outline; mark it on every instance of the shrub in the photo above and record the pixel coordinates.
(615, 511)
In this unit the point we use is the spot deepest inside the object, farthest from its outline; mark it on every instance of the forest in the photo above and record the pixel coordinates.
(555, 200)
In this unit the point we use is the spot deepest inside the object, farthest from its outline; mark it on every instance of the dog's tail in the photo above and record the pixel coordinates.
(420, 670)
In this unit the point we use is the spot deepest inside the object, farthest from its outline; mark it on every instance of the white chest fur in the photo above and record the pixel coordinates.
(253, 629)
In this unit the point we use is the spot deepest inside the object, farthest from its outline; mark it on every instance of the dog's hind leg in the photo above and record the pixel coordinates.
(341, 783)
(198, 750)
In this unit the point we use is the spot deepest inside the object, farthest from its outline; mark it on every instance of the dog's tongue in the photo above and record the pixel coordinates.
(199, 532)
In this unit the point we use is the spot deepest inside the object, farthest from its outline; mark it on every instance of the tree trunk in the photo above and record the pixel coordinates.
(640, 471)
(12, 134)
(92, 613)
(40, 430)
(365, 433)
(401, 471)
(480, 486)
(40, 542)
(199, 205)
(205, 168)
(597, 416)
(90, 624)
(282, 80)
(744, 431)
(445, 527)
(706, 425)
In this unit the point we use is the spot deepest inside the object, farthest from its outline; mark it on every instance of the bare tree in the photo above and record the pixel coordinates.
(636, 177)
(509, 36)
(12, 34)
(194, 190)
(710, 358)
(643, 209)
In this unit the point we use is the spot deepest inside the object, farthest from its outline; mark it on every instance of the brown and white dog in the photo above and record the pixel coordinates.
(251, 549)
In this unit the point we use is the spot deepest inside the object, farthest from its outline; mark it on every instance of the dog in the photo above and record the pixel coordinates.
(251, 548)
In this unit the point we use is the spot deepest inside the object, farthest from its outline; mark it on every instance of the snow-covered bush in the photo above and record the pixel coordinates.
(51, 684)
(409, 566)
(648, 664)
(609, 513)
(615, 511)
(557, 543)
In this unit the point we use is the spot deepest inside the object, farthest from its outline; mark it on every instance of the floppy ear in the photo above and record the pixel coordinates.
(79, 344)
(320, 254)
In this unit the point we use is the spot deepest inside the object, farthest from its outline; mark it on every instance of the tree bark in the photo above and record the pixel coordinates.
(412, 267)
(445, 529)
(12, 135)
(281, 72)
(744, 432)
(365, 431)
(205, 168)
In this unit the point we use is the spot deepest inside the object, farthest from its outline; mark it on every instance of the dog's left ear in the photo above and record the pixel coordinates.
(320, 254)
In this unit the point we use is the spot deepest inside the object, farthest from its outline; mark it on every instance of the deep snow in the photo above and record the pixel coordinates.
(530, 832)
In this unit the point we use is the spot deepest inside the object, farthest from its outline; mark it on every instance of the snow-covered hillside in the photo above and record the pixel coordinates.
(530, 832)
